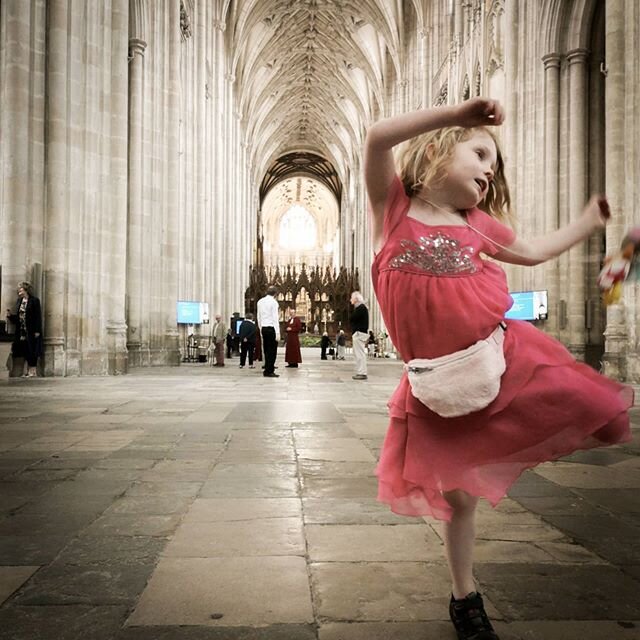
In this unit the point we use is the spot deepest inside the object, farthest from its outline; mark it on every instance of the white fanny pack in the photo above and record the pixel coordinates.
(461, 382)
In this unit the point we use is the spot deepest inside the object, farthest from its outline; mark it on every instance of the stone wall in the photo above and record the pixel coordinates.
(124, 180)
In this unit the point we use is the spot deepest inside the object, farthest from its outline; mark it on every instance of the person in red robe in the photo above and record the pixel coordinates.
(292, 355)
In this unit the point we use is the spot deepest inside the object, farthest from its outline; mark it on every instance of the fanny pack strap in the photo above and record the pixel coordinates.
(501, 325)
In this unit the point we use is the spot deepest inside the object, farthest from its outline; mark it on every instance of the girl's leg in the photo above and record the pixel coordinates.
(459, 541)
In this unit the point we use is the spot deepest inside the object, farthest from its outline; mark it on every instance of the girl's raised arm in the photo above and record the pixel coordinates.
(595, 216)
(379, 170)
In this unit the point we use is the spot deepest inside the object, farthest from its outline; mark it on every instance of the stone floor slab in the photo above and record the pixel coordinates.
(133, 525)
(349, 487)
(207, 510)
(263, 632)
(270, 537)
(387, 631)
(31, 550)
(353, 453)
(106, 550)
(251, 487)
(380, 591)
(566, 592)
(13, 577)
(66, 622)
(301, 411)
(373, 543)
(244, 469)
(226, 592)
(585, 476)
(322, 468)
(351, 511)
(570, 630)
(61, 584)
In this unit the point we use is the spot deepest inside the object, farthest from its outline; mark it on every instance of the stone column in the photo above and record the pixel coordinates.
(14, 152)
(136, 282)
(552, 162)
(117, 260)
(228, 251)
(423, 35)
(218, 168)
(509, 133)
(57, 181)
(171, 237)
(459, 11)
(577, 60)
(617, 332)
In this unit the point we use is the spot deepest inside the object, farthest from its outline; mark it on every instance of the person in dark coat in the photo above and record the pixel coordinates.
(325, 343)
(27, 319)
(247, 337)
(292, 355)
(257, 351)
(229, 342)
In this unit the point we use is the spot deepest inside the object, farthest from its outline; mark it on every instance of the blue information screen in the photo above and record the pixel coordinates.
(528, 305)
(188, 312)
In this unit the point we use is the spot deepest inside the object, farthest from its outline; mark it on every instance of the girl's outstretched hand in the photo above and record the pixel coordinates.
(596, 214)
(479, 112)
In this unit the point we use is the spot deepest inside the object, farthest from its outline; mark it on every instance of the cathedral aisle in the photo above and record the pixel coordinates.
(203, 503)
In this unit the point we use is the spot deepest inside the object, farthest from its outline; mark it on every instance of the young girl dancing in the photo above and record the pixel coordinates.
(430, 224)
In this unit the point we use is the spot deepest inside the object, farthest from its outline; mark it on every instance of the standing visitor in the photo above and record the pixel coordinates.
(341, 344)
(269, 323)
(27, 320)
(292, 354)
(218, 335)
(247, 337)
(325, 343)
(359, 322)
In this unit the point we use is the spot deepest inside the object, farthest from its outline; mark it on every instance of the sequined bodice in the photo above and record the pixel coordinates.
(437, 292)
(436, 254)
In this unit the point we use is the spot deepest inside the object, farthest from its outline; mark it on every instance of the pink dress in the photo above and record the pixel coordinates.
(438, 296)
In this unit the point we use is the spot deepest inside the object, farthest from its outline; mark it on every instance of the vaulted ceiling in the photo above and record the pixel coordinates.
(310, 74)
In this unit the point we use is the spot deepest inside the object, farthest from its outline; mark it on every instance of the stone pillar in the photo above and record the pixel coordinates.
(218, 168)
(136, 280)
(423, 35)
(577, 60)
(57, 185)
(117, 226)
(171, 237)
(459, 11)
(617, 332)
(228, 251)
(510, 133)
(552, 162)
(14, 149)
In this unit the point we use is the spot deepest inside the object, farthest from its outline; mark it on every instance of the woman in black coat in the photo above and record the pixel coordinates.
(325, 343)
(27, 320)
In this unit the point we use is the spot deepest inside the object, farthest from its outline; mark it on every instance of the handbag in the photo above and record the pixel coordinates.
(462, 382)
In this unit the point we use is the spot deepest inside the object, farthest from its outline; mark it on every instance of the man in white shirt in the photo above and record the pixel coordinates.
(269, 323)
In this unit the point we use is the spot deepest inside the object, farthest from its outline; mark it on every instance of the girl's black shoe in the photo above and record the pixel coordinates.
(470, 619)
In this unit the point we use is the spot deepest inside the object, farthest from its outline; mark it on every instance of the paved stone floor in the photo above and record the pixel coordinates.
(205, 503)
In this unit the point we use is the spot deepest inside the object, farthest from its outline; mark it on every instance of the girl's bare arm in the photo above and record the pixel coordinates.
(532, 252)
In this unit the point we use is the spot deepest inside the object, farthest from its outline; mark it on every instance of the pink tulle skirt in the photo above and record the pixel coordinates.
(549, 406)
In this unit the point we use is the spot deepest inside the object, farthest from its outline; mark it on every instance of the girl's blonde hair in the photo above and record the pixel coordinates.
(422, 162)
